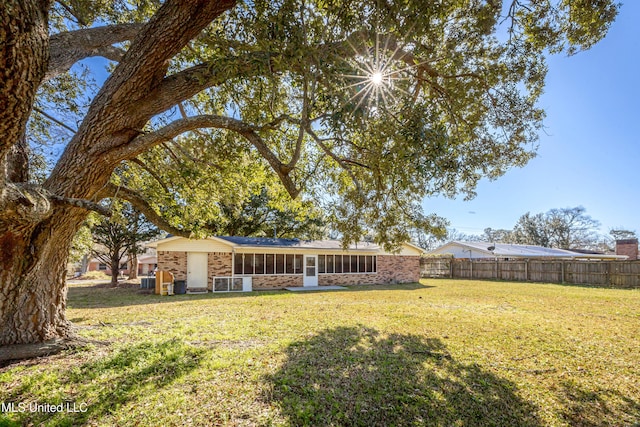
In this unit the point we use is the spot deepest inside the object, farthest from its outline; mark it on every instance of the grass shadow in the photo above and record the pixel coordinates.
(88, 297)
(391, 287)
(356, 376)
(97, 296)
(598, 409)
(98, 388)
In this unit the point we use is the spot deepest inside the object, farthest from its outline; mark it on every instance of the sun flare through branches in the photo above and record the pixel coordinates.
(377, 71)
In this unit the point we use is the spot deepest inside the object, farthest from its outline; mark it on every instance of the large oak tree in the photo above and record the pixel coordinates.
(365, 106)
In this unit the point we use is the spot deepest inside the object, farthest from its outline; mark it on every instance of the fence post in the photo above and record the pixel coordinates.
(471, 267)
(451, 268)
(526, 270)
(562, 271)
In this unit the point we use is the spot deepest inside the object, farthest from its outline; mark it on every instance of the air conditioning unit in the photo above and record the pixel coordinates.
(232, 284)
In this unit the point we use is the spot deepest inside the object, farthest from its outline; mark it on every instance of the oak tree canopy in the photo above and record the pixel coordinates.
(362, 107)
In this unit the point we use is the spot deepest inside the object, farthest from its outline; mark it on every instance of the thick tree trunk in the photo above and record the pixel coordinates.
(32, 277)
(35, 235)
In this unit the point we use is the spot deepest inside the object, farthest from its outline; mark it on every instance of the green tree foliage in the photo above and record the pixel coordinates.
(121, 234)
(261, 215)
(457, 102)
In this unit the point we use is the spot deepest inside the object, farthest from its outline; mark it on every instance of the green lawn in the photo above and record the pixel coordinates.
(442, 353)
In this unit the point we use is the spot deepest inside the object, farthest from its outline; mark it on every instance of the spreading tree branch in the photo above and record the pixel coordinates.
(151, 172)
(70, 47)
(113, 120)
(53, 119)
(80, 203)
(139, 202)
(167, 133)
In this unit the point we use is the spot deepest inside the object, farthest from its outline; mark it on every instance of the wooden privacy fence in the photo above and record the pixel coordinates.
(619, 274)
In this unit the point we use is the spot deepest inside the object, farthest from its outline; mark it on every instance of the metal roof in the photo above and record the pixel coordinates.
(512, 250)
(296, 243)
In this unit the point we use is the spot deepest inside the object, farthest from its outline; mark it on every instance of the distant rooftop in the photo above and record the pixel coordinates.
(506, 250)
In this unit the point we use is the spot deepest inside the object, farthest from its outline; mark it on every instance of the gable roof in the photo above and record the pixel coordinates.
(507, 250)
(269, 242)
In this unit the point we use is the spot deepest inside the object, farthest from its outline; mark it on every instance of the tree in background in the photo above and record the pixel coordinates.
(497, 236)
(82, 243)
(119, 235)
(567, 228)
(363, 107)
(263, 216)
(621, 233)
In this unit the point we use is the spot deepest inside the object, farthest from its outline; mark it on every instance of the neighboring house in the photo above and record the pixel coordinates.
(146, 264)
(96, 264)
(474, 250)
(216, 263)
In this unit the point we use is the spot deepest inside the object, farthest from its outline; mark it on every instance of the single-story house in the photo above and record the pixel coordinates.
(229, 263)
(146, 265)
(477, 250)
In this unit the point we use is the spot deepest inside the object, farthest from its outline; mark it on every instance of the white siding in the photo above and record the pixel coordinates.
(408, 250)
(460, 251)
(192, 245)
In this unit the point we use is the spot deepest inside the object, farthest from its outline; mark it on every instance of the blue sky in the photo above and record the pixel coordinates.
(588, 155)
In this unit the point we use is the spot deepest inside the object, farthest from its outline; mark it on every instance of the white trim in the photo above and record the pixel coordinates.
(198, 272)
(301, 249)
(306, 279)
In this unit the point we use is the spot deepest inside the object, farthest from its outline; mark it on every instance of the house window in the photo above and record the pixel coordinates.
(237, 264)
(124, 266)
(297, 264)
(270, 263)
(346, 264)
(257, 264)
(289, 264)
(370, 268)
(102, 266)
(354, 263)
(279, 263)
(328, 264)
(248, 264)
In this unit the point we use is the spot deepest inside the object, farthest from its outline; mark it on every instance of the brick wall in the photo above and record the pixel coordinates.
(391, 269)
(175, 262)
(628, 247)
(276, 281)
(219, 265)
(348, 279)
(398, 269)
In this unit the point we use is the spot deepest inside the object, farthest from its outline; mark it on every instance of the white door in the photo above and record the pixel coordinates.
(197, 269)
(310, 270)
